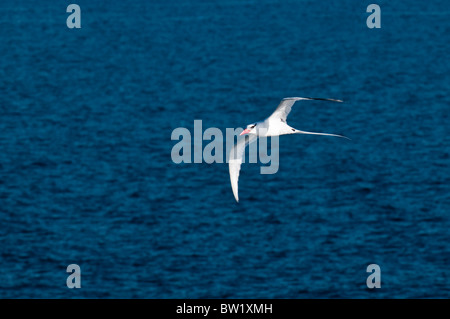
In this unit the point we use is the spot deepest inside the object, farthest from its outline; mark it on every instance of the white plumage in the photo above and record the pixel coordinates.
(274, 125)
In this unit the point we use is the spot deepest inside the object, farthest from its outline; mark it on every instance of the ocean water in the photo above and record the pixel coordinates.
(86, 175)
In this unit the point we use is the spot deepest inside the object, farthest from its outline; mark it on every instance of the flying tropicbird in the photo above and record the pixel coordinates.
(274, 125)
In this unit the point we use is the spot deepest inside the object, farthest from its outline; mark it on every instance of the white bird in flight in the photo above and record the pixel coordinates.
(274, 125)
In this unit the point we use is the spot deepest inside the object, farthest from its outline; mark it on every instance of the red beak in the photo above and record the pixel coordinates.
(247, 130)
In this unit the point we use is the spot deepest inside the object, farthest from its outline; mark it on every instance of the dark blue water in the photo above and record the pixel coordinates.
(86, 175)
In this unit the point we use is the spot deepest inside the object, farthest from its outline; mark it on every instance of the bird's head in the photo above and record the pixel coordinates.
(251, 129)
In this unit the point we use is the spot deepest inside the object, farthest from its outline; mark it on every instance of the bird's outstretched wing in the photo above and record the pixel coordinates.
(285, 106)
(235, 160)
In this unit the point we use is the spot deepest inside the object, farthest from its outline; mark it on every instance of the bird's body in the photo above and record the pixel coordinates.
(274, 125)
